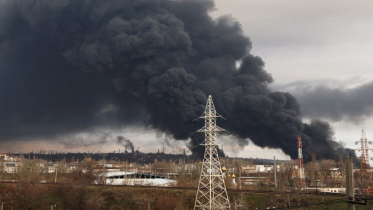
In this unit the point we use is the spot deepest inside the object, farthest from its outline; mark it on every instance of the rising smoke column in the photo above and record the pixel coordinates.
(126, 143)
(70, 66)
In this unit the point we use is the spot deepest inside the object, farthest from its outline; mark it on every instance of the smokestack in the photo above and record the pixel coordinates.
(300, 164)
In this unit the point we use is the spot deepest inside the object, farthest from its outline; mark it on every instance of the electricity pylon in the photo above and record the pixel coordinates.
(212, 193)
(364, 157)
(364, 160)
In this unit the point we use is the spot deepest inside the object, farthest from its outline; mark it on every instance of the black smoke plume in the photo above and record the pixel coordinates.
(73, 65)
(126, 143)
(336, 104)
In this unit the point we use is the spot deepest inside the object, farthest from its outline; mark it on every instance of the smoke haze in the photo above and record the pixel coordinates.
(71, 66)
(334, 102)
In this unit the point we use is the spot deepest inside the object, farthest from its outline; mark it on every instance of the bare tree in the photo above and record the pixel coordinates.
(327, 172)
(29, 171)
(312, 169)
(286, 174)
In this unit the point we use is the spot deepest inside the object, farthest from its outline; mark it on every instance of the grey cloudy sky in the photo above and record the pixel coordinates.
(320, 51)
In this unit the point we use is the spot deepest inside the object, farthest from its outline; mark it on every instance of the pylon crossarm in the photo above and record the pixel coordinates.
(206, 116)
(217, 129)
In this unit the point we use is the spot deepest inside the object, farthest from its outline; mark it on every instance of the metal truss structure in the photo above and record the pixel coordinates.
(212, 193)
(364, 157)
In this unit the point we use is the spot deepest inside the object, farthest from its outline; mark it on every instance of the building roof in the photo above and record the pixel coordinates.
(118, 173)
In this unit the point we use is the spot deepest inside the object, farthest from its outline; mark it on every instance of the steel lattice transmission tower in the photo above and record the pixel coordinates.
(212, 193)
(364, 157)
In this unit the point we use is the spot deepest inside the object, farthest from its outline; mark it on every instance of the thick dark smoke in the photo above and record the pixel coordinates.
(337, 104)
(71, 65)
(126, 143)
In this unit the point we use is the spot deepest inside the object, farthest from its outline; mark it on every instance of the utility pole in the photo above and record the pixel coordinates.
(275, 170)
(212, 193)
(55, 178)
(349, 185)
(239, 175)
(125, 176)
(103, 170)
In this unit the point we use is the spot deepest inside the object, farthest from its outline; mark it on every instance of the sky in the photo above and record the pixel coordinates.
(319, 52)
(310, 44)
